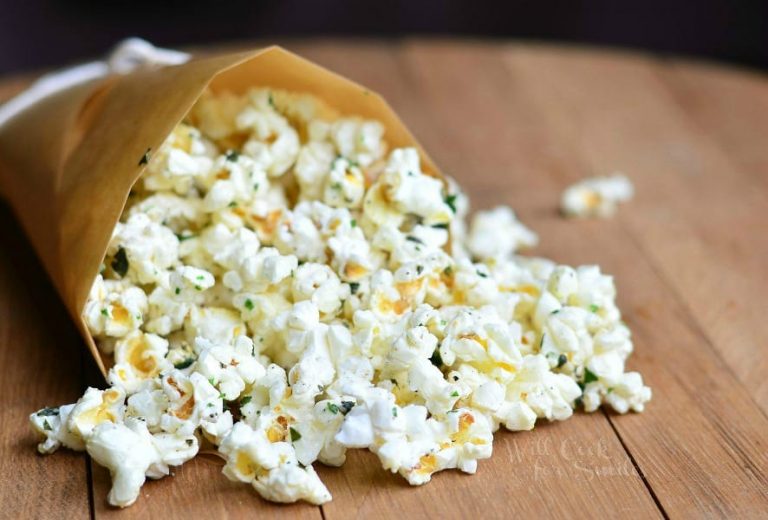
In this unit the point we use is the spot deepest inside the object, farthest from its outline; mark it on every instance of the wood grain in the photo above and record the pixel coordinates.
(41, 356)
(515, 124)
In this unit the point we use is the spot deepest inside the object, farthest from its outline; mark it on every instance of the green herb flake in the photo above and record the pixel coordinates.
(332, 408)
(353, 223)
(198, 288)
(450, 200)
(271, 101)
(120, 263)
(594, 308)
(249, 304)
(448, 271)
(232, 204)
(481, 274)
(412, 238)
(346, 406)
(182, 238)
(48, 412)
(589, 376)
(145, 158)
(419, 269)
(394, 411)
(353, 287)
(199, 277)
(295, 435)
(245, 400)
(436, 358)
(212, 381)
(47, 425)
(455, 393)
(561, 360)
(441, 225)
(181, 365)
(336, 186)
(178, 290)
(105, 312)
(232, 155)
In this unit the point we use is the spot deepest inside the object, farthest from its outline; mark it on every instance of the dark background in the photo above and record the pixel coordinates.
(41, 33)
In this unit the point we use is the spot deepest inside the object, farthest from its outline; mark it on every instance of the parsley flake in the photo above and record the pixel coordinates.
(332, 408)
(436, 359)
(394, 411)
(455, 393)
(450, 200)
(145, 158)
(249, 304)
(181, 365)
(232, 155)
(594, 308)
(561, 360)
(295, 435)
(589, 376)
(245, 400)
(120, 262)
(346, 406)
(412, 238)
(353, 287)
(48, 412)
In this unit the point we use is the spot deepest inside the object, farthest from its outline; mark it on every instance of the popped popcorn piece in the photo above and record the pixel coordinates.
(496, 234)
(131, 454)
(596, 196)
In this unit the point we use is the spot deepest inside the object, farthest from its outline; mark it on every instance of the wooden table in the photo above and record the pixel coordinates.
(515, 124)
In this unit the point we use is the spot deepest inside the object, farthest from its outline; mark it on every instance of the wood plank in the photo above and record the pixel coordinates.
(559, 470)
(729, 105)
(467, 136)
(196, 490)
(701, 443)
(41, 355)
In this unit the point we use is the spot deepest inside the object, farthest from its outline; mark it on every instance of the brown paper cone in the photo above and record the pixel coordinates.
(68, 163)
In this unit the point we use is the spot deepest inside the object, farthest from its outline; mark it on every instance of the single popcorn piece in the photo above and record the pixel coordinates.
(596, 196)
(283, 287)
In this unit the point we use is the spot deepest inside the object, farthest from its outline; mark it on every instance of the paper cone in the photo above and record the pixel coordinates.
(68, 163)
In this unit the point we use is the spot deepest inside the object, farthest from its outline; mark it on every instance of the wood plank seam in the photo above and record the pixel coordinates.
(636, 465)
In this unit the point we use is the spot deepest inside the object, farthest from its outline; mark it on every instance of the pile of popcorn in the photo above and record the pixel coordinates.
(281, 287)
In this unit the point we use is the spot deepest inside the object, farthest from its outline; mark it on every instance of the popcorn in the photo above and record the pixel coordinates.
(114, 308)
(596, 196)
(52, 424)
(131, 454)
(138, 357)
(497, 234)
(282, 288)
(271, 468)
